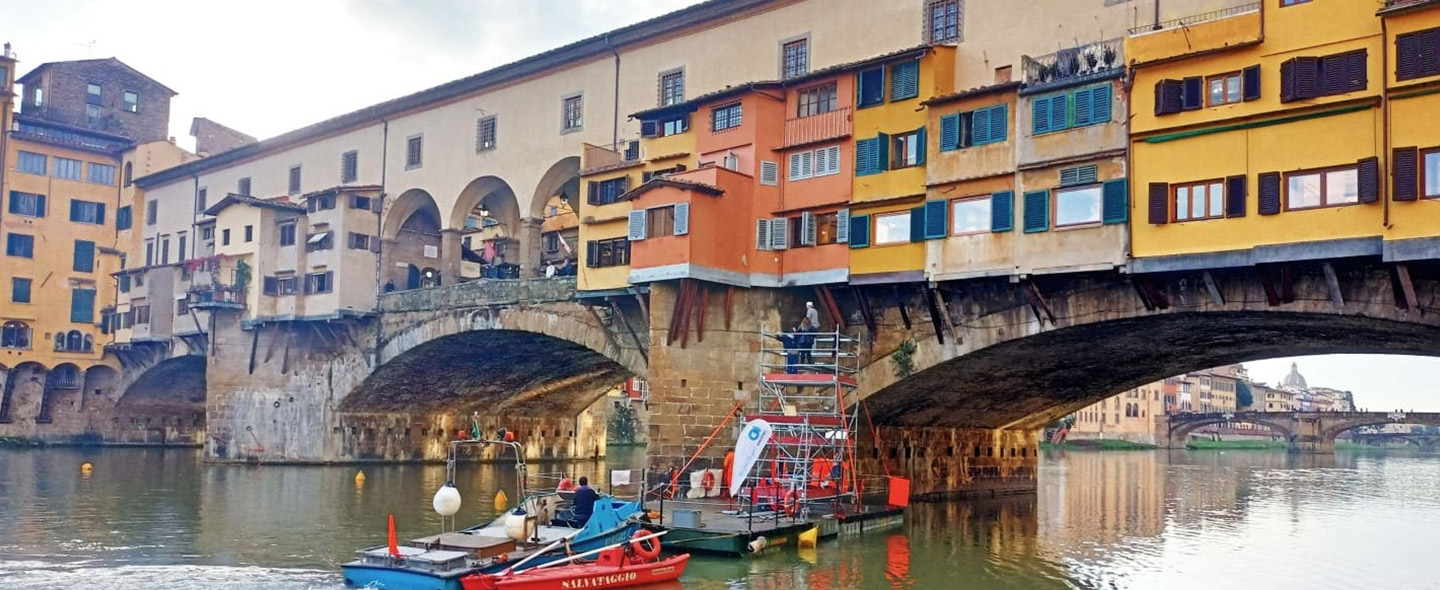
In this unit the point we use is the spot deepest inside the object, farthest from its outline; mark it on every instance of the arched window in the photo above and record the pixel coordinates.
(74, 341)
(129, 172)
(15, 335)
(64, 377)
(89, 343)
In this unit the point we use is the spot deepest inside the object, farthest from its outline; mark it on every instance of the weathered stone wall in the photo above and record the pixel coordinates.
(953, 462)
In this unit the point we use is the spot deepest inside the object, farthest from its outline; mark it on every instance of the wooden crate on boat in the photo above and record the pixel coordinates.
(480, 546)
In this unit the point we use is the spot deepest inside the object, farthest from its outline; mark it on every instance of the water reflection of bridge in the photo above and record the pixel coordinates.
(1307, 432)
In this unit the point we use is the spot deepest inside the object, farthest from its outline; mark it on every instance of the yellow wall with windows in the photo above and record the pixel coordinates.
(937, 77)
(603, 222)
(889, 258)
(1415, 123)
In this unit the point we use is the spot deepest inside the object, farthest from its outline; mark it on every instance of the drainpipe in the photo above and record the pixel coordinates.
(1385, 117)
(1157, 15)
(615, 117)
(380, 229)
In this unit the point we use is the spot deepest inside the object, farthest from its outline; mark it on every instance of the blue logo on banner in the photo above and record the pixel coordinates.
(754, 433)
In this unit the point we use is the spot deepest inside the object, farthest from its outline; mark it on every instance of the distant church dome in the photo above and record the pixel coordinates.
(1294, 380)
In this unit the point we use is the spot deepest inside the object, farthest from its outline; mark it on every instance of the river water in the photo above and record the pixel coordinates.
(159, 518)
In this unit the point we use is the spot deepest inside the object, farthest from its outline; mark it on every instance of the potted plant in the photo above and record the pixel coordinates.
(1109, 56)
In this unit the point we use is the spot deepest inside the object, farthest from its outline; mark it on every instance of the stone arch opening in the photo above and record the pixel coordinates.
(412, 238)
(1181, 431)
(62, 392)
(1333, 432)
(1029, 381)
(487, 215)
(100, 383)
(554, 208)
(177, 382)
(24, 390)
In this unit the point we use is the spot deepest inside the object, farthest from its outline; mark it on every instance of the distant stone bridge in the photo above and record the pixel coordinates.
(1307, 432)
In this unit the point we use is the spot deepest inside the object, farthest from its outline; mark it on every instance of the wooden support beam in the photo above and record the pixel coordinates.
(866, 312)
(620, 315)
(729, 305)
(1332, 282)
(832, 308)
(1140, 292)
(1287, 285)
(900, 303)
(700, 313)
(1155, 294)
(945, 313)
(935, 319)
(1407, 287)
(687, 299)
(1213, 288)
(285, 357)
(644, 306)
(254, 343)
(1272, 296)
(274, 339)
(1038, 303)
(609, 338)
(675, 315)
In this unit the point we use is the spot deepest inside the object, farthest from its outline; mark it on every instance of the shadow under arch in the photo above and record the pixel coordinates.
(178, 381)
(1029, 381)
(562, 178)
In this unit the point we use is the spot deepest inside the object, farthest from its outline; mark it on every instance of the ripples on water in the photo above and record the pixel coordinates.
(147, 519)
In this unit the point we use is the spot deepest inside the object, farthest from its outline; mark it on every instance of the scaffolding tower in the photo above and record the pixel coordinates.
(808, 395)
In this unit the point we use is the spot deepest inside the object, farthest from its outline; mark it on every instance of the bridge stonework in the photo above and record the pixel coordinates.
(1306, 432)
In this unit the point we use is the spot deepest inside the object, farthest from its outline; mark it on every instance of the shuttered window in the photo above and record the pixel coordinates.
(1092, 105)
(1236, 193)
(27, 204)
(1051, 113)
(605, 192)
(84, 259)
(1116, 197)
(1250, 83)
(872, 155)
(1406, 173)
(1002, 211)
(1417, 55)
(87, 212)
(1037, 211)
(1079, 175)
(607, 253)
(1329, 187)
(1311, 77)
(904, 81)
(893, 228)
(82, 306)
(936, 221)
(1169, 96)
(1269, 193)
(1430, 173)
(1158, 209)
(870, 87)
(859, 233)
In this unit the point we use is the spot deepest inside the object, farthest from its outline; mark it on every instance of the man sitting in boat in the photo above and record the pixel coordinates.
(584, 502)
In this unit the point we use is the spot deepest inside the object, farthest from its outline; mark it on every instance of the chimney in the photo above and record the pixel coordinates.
(172, 139)
(7, 49)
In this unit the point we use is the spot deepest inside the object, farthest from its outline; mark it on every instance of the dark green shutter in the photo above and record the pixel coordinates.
(935, 219)
(920, 146)
(1101, 102)
(82, 305)
(859, 231)
(999, 123)
(1002, 211)
(1084, 107)
(1115, 201)
(917, 224)
(84, 260)
(979, 127)
(950, 132)
(1037, 211)
(1060, 112)
(1040, 115)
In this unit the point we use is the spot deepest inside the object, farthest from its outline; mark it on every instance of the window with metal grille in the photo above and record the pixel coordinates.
(726, 117)
(243, 186)
(573, 111)
(944, 20)
(672, 87)
(414, 152)
(795, 58)
(349, 166)
(817, 100)
(485, 133)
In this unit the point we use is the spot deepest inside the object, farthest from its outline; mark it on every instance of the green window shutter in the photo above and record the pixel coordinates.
(1101, 102)
(882, 153)
(867, 157)
(1040, 115)
(904, 81)
(1002, 211)
(999, 121)
(950, 132)
(84, 256)
(859, 231)
(979, 127)
(917, 224)
(1037, 211)
(935, 218)
(1115, 201)
(100, 213)
(1060, 112)
(920, 146)
(82, 305)
(1084, 106)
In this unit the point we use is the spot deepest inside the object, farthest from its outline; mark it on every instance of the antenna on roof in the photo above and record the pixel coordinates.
(89, 48)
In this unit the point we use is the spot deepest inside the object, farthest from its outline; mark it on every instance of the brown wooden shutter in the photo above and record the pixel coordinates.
(1428, 63)
(1236, 194)
(1169, 96)
(1333, 72)
(1307, 77)
(1357, 70)
(1369, 179)
(1406, 167)
(1194, 93)
(1269, 193)
(1287, 80)
(1250, 83)
(1407, 56)
(1159, 203)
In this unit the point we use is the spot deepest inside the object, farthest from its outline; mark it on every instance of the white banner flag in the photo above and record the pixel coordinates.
(753, 439)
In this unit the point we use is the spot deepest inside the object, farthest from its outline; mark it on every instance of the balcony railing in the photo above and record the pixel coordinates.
(1195, 19)
(815, 128)
(1403, 4)
(1075, 65)
(216, 296)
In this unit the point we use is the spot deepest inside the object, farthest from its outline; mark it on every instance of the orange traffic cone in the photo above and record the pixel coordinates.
(394, 545)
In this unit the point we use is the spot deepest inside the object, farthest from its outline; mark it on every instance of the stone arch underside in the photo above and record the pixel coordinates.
(1182, 430)
(1340, 428)
(562, 178)
(1029, 381)
(512, 372)
(176, 382)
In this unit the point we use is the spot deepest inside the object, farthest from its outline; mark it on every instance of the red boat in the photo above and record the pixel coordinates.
(635, 564)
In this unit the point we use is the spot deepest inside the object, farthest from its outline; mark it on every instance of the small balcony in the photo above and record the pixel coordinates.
(817, 128)
(1394, 6)
(1238, 24)
(216, 297)
(1101, 60)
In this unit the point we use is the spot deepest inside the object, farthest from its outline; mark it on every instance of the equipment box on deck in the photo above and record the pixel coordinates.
(685, 518)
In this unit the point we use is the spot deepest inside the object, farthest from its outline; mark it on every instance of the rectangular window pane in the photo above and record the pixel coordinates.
(1077, 206)
(1217, 91)
(970, 216)
(132, 102)
(892, 229)
(1197, 200)
(67, 168)
(1217, 202)
(32, 163)
(1232, 88)
(1302, 190)
(1342, 186)
(1432, 174)
(1182, 203)
(101, 174)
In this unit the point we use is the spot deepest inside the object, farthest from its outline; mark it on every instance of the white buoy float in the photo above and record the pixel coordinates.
(447, 500)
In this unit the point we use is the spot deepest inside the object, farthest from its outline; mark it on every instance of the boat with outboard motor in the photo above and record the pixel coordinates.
(538, 531)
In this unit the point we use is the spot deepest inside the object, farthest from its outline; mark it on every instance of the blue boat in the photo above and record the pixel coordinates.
(536, 532)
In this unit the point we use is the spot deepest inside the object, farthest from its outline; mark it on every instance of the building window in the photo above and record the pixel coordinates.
(818, 100)
(360, 241)
(151, 212)
(906, 150)
(249, 234)
(287, 234)
(324, 202)
(33, 163)
(92, 94)
(15, 335)
(414, 152)
(84, 259)
(87, 212)
(349, 166)
(201, 198)
(20, 290)
(27, 204)
(123, 218)
(287, 285)
(82, 306)
(320, 241)
(319, 282)
(100, 174)
(826, 226)
(605, 192)
(892, 228)
(207, 233)
(294, 187)
(164, 249)
(132, 101)
(572, 113)
(1432, 173)
(660, 222)
(672, 87)
(485, 133)
(225, 237)
(142, 314)
(361, 203)
(978, 127)
(243, 186)
(904, 81)
(944, 20)
(1322, 188)
(809, 164)
(795, 58)
(1330, 75)
(92, 114)
(725, 117)
(19, 245)
(870, 87)
(66, 168)
(607, 253)
(552, 242)
(1086, 106)
(1224, 89)
(1415, 54)
(1199, 200)
(1078, 205)
(671, 126)
(970, 215)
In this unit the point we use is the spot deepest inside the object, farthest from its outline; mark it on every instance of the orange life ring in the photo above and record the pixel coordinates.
(707, 481)
(646, 549)
(729, 466)
(791, 503)
(565, 485)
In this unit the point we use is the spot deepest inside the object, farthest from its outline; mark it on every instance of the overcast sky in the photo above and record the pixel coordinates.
(265, 67)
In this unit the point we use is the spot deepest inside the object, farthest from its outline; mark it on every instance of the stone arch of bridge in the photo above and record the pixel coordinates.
(561, 179)
(1180, 431)
(1333, 431)
(544, 360)
(177, 382)
(1002, 367)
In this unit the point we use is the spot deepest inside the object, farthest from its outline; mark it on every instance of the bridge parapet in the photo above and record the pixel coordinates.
(480, 293)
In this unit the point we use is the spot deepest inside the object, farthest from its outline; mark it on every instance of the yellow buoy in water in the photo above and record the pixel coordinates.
(807, 539)
(501, 502)
(86, 467)
(359, 477)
